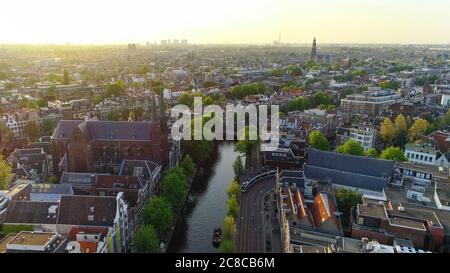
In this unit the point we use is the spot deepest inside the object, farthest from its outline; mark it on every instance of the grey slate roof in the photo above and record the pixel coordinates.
(281, 154)
(349, 170)
(65, 129)
(78, 179)
(348, 179)
(76, 209)
(128, 166)
(105, 130)
(350, 163)
(118, 130)
(29, 212)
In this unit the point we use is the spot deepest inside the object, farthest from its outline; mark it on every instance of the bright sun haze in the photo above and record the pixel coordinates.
(220, 21)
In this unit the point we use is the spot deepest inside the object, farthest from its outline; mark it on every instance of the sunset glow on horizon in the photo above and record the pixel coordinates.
(231, 21)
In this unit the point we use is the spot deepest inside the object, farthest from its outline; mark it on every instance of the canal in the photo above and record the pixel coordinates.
(206, 207)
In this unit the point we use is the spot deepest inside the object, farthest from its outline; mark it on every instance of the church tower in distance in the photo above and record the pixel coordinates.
(314, 51)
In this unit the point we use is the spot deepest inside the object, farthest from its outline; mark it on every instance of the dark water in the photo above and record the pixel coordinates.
(206, 207)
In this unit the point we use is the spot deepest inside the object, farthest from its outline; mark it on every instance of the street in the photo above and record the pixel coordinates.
(251, 225)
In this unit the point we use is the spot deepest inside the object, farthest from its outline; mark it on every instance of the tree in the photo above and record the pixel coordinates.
(241, 91)
(400, 137)
(48, 126)
(115, 89)
(294, 70)
(32, 104)
(145, 239)
(447, 117)
(31, 130)
(226, 246)
(158, 213)
(188, 166)
(393, 153)
(3, 76)
(5, 174)
(390, 85)
(139, 112)
(6, 133)
(400, 122)
(53, 179)
(346, 200)
(125, 114)
(277, 72)
(186, 99)
(387, 131)
(420, 81)
(66, 79)
(233, 206)
(229, 229)
(208, 84)
(233, 188)
(199, 150)
(238, 167)
(351, 147)
(373, 153)
(10, 85)
(419, 127)
(97, 99)
(159, 89)
(175, 187)
(43, 102)
(113, 116)
(248, 142)
(131, 116)
(143, 70)
(208, 101)
(51, 92)
(318, 141)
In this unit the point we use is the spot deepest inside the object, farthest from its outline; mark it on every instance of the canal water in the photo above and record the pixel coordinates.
(206, 207)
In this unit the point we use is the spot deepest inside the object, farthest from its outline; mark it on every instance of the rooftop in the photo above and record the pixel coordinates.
(5, 241)
(33, 238)
(350, 163)
(407, 223)
(372, 209)
(104, 130)
(87, 210)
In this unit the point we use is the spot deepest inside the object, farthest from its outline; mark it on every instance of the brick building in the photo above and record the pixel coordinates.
(101, 146)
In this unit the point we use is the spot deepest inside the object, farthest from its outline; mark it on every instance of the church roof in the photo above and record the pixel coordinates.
(105, 130)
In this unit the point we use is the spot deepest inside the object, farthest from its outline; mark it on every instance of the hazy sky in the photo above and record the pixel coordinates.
(225, 21)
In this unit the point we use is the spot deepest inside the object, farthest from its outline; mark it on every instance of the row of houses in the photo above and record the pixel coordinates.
(403, 205)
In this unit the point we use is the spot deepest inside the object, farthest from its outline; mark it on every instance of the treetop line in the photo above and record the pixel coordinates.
(212, 129)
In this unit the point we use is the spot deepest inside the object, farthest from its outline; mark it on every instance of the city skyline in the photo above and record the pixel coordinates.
(226, 22)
